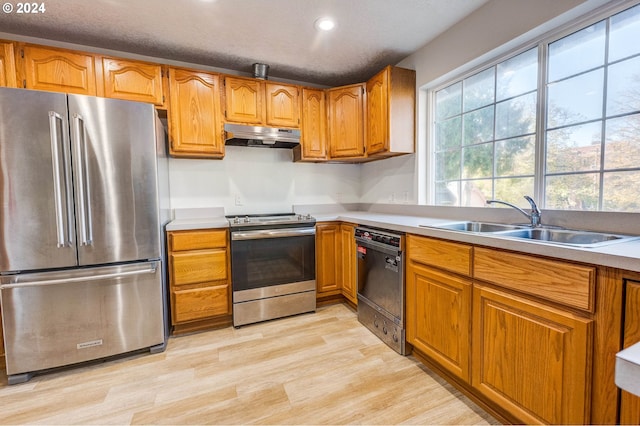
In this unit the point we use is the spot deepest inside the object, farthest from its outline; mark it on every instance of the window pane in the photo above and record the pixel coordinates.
(476, 193)
(574, 149)
(449, 133)
(581, 51)
(575, 100)
(517, 75)
(448, 165)
(516, 117)
(512, 190)
(447, 193)
(449, 101)
(515, 157)
(623, 87)
(477, 161)
(572, 192)
(621, 192)
(479, 90)
(478, 126)
(624, 34)
(622, 143)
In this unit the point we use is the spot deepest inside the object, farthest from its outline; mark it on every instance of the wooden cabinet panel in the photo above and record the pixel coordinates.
(455, 257)
(3, 362)
(283, 105)
(313, 141)
(199, 266)
(196, 240)
(7, 65)
(327, 268)
(377, 132)
(133, 80)
(58, 70)
(530, 359)
(195, 126)
(201, 303)
(629, 403)
(345, 121)
(438, 311)
(244, 100)
(561, 282)
(348, 265)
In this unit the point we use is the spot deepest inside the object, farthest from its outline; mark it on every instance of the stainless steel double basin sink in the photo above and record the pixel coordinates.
(552, 235)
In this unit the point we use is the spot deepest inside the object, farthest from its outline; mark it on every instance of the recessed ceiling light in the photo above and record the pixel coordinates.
(325, 24)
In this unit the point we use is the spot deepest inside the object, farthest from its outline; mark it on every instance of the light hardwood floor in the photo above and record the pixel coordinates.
(322, 368)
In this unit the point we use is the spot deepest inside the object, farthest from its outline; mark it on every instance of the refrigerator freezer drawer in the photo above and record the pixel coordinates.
(60, 318)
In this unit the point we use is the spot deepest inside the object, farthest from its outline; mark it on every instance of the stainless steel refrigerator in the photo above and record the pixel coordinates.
(84, 198)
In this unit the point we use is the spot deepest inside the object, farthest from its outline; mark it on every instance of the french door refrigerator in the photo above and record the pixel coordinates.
(83, 198)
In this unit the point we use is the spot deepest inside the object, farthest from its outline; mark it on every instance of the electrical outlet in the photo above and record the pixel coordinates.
(238, 200)
(392, 197)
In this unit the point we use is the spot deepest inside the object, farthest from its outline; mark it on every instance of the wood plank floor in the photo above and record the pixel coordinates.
(322, 368)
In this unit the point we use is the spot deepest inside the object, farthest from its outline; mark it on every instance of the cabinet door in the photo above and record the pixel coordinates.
(345, 119)
(199, 266)
(133, 80)
(244, 100)
(2, 358)
(7, 65)
(630, 404)
(195, 126)
(283, 105)
(201, 303)
(58, 70)
(348, 263)
(438, 310)
(377, 116)
(327, 264)
(531, 359)
(314, 125)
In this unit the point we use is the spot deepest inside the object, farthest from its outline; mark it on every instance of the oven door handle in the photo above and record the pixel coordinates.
(272, 233)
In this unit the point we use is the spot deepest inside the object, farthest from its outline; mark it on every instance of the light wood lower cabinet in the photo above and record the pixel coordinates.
(530, 359)
(348, 278)
(438, 310)
(199, 279)
(327, 264)
(3, 362)
(630, 404)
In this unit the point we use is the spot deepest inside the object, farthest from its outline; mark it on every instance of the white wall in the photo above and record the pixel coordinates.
(496, 27)
(260, 180)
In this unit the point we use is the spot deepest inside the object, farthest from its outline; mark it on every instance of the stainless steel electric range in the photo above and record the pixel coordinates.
(273, 270)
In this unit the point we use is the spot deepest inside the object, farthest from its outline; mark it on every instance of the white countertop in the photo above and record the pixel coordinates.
(628, 369)
(617, 255)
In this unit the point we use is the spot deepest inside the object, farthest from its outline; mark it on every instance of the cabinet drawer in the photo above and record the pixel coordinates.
(569, 284)
(453, 257)
(196, 240)
(201, 303)
(198, 267)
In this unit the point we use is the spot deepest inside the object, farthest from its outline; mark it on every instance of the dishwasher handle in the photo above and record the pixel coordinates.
(381, 247)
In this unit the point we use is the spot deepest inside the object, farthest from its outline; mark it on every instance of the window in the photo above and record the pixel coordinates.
(582, 127)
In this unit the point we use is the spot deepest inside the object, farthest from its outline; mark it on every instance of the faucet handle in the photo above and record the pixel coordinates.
(536, 214)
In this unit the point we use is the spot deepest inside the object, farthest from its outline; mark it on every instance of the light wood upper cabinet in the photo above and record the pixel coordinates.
(531, 359)
(345, 121)
(195, 126)
(630, 404)
(199, 278)
(390, 112)
(133, 80)
(438, 311)
(283, 105)
(313, 142)
(328, 270)
(244, 100)
(57, 70)
(348, 261)
(7, 65)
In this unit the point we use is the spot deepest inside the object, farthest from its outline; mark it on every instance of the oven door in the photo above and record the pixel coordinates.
(270, 257)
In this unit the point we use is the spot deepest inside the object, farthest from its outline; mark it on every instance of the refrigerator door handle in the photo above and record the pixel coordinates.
(86, 233)
(83, 279)
(57, 185)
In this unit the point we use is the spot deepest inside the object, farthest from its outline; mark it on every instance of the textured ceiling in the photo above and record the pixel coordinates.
(233, 34)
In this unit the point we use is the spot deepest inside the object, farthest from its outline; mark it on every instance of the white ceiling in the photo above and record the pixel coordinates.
(233, 34)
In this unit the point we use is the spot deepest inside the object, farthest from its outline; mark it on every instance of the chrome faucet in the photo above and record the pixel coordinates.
(535, 216)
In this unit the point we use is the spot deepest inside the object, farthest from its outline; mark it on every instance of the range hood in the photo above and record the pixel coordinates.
(262, 137)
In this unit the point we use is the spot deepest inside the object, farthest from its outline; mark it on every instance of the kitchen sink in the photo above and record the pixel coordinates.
(568, 236)
(473, 226)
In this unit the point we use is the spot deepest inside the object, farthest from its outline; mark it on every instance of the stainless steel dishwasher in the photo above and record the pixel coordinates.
(380, 255)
